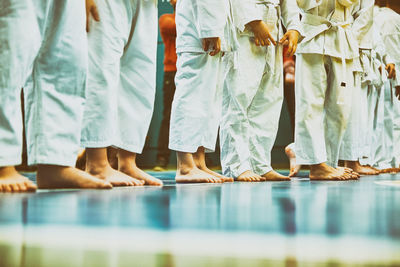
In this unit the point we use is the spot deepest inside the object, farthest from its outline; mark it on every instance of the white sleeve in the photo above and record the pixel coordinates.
(245, 11)
(308, 4)
(362, 25)
(291, 15)
(392, 44)
(211, 17)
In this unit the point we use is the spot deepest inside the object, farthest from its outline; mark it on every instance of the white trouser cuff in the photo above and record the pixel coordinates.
(130, 148)
(10, 161)
(235, 173)
(309, 161)
(191, 149)
(96, 144)
(264, 170)
(67, 159)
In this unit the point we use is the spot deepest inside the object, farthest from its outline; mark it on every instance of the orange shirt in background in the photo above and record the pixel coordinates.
(168, 35)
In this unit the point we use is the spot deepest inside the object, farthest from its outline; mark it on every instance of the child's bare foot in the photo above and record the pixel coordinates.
(274, 176)
(56, 177)
(249, 176)
(325, 172)
(215, 174)
(350, 174)
(294, 168)
(200, 160)
(390, 170)
(127, 165)
(361, 169)
(13, 182)
(135, 172)
(97, 164)
(195, 175)
(116, 178)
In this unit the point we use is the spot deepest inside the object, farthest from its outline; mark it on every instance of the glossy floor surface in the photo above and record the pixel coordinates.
(298, 223)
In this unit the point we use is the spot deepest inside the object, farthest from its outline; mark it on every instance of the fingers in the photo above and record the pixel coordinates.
(271, 39)
(293, 50)
(91, 9)
(292, 45)
(284, 39)
(95, 13)
(87, 20)
(391, 71)
(205, 44)
(290, 49)
(217, 48)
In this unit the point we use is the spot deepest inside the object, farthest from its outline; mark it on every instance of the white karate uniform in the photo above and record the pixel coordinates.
(387, 151)
(43, 49)
(353, 144)
(122, 75)
(253, 90)
(196, 108)
(327, 58)
(390, 31)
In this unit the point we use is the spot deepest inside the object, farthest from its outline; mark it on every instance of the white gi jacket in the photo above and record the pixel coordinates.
(335, 28)
(212, 19)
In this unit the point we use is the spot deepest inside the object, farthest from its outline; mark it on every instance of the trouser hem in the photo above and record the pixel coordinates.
(10, 161)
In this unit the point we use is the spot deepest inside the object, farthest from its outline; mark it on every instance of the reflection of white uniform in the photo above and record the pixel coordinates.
(327, 58)
(122, 75)
(253, 90)
(195, 114)
(44, 41)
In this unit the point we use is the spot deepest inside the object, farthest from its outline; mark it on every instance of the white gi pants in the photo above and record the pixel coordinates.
(122, 75)
(320, 120)
(196, 108)
(396, 132)
(43, 49)
(354, 139)
(384, 150)
(253, 95)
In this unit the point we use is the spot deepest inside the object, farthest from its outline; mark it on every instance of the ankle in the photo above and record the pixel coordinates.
(50, 168)
(97, 166)
(185, 168)
(126, 167)
(318, 166)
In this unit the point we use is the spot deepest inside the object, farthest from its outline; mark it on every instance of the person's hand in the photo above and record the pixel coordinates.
(390, 68)
(91, 9)
(213, 43)
(290, 39)
(262, 36)
(398, 92)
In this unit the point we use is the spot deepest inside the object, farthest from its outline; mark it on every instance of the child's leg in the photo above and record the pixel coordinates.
(136, 91)
(195, 101)
(263, 115)
(55, 97)
(385, 149)
(107, 39)
(188, 172)
(311, 87)
(242, 82)
(19, 42)
(351, 150)
(200, 160)
(396, 132)
(337, 109)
